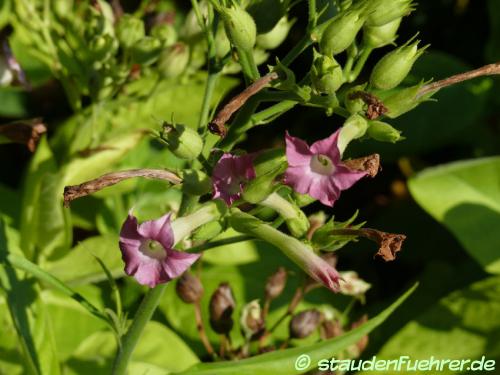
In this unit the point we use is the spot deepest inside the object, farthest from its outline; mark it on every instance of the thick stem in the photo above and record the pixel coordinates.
(359, 64)
(142, 317)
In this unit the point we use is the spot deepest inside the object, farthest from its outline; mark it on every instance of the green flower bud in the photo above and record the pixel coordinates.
(277, 35)
(129, 30)
(146, 51)
(341, 32)
(191, 30)
(354, 105)
(240, 27)
(383, 132)
(404, 100)
(166, 33)
(382, 12)
(174, 60)
(102, 47)
(266, 13)
(379, 36)
(195, 182)
(354, 127)
(198, 55)
(183, 141)
(326, 74)
(393, 68)
(222, 43)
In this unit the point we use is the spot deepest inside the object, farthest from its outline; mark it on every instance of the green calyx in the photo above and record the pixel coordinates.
(379, 36)
(393, 68)
(404, 100)
(182, 141)
(383, 132)
(382, 12)
(240, 27)
(326, 74)
(342, 31)
(174, 60)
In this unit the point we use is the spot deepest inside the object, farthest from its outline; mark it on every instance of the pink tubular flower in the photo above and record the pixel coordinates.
(230, 173)
(147, 250)
(318, 170)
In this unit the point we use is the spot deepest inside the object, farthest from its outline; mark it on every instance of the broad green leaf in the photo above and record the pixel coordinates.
(44, 224)
(10, 202)
(89, 167)
(227, 255)
(283, 361)
(462, 325)
(159, 351)
(465, 197)
(80, 267)
(28, 312)
(70, 321)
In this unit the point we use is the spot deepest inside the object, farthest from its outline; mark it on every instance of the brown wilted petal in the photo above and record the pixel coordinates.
(390, 243)
(276, 283)
(375, 106)
(27, 132)
(189, 288)
(304, 323)
(221, 308)
(369, 164)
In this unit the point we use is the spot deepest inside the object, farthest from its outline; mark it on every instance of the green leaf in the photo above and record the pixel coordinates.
(159, 351)
(465, 197)
(283, 361)
(10, 201)
(44, 224)
(80, 266)
(462, 325)
(28, 312)
(242, 253)
(68, 316)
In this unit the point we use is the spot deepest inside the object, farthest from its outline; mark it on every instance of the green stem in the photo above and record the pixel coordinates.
(207, 99)
(222, 242)
(313, 17)
(142, 317)
(351, 77)
(247, 63)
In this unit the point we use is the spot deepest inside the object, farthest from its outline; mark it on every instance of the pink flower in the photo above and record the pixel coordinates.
(147, 251)
(230, 174)
(318, 170)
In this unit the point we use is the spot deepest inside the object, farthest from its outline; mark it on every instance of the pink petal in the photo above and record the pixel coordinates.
(299, 179)
(325, 190)
(297, 151)
(129, 233)
(177, 262)
(328, 147)
(324, 273)
(151, 273)
(345, 177)
(158, 230)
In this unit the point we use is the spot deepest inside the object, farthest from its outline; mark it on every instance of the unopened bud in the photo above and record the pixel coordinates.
(222, 43)
(404, 100)
(383, 132)
(173, 60)
(183, 141)
(129, 30)
(330, 329)
(326, 74)
(354, 127)
(379, 36)
(189, 288)
(304, 323)
(352, 285)
(341, 32)
(166, 33)
(146, 51)
(382, 12)
(240, 27)
(295, 219)
(272, 39)
(393, 68)
(251, 321)
(276, 284)
(221, 308)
